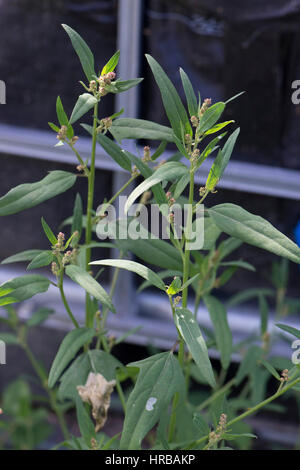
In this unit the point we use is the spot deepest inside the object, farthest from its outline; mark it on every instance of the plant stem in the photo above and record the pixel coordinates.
(77, 154)
(216, 395)
(186, 263)
(252, 410)
(65, 302)
(43, 378)
(91, 188)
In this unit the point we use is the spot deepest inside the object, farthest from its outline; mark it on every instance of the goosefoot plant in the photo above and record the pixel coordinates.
(159, 408)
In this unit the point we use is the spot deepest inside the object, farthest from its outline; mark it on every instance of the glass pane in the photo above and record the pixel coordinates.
(227, 47)
(37, 61)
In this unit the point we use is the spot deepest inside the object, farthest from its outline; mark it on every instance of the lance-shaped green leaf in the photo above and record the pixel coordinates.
(175, 110)
(39, 316)
(61, 115)
(90, 285)
(254, 230)
(29, 195)
(123, 85)
(95, 361)
(210, 117)
(151, 250)
(77, 219)
(27, 255)
(48, 232)
(222, 331)
(169, 171)
(289, 329)
(218, 127)
(221, 161)
(239, 264)
(43, 259)
(160, 377)
(117, 154)
(85, 102)
(86, 426)
(135, 267)
(83, 51)
(128, 128)
(191, 333)
(63, 119)
(22, 288)
(189, 93)
(210, 148)
(111, 64)
(68, 349)
(270, 368)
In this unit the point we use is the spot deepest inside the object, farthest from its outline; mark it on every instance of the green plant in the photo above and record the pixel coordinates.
(84, 370)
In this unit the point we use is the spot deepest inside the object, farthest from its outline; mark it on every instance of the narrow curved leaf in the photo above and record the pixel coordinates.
(83, 51)
(189, 93)
(23, 288)
(111, 64)
(210, 117)
(128, 128)
(172, 103)
(137, 268)
(222, 330)
(39, 316)
(27, 255)
(254, 230)
(221, 162)
(85, 102)
(69, 347)
(29, 195)
(41, 260)
(289, 329)
(90, 285)
(169, 171)
(48, 232)
(191, 333)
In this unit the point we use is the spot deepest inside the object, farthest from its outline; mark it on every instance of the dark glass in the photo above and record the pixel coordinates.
(227, 47)
(37, 61)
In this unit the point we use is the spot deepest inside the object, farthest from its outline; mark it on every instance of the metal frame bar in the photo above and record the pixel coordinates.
(239, 176)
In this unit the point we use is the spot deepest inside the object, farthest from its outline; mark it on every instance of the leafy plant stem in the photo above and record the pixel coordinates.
(65, 302)
(91, 187)
(253, 409)
(77, 155)
(216, 395)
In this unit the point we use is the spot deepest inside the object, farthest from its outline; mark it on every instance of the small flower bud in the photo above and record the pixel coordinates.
(62, 133)
(194, 121)
(54, 268)
(80, 168)
(147, 155)
(205, 105)
(188, 139)
(111, 75)
(74, 139)
(102, 91)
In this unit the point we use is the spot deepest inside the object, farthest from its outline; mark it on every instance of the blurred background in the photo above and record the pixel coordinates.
(225, 47)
